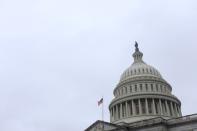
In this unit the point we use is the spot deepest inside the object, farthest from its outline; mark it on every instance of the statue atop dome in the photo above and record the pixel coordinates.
(136, 46)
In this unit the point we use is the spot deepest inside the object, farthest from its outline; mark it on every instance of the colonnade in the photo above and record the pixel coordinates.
(143, 107)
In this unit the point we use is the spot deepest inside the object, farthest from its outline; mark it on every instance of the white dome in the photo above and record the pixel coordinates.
(145, 92)
(139, 68)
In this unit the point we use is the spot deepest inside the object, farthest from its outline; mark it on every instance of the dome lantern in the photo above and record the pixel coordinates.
(137, 54)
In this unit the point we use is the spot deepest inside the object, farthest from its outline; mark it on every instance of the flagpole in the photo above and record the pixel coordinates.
(103, 110)
(103, 114)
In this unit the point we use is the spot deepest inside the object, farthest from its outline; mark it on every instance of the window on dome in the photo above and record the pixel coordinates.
(112, 112)
(139, 70)
(157, 88)
(130, 89)
(135, 88)
(140, 87)
(161, 88)
(125, 90)
(151, 87)
(143, 70)
(164, 89)
(146, 87)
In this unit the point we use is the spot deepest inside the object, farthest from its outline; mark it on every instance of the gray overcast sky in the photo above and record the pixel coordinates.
(58, 57)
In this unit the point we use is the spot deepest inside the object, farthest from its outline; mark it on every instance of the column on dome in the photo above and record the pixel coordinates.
(130, 108)
(179, 109)
(110, 114)
(140, 106)
(167, 107)
(126, 106)
(161, 108)
(157, 107)
(113, 113)
(133, 108)
(146, 104)
(153, 106)
(121, 111)
(117, 112)
(176, 111)
(171, 108)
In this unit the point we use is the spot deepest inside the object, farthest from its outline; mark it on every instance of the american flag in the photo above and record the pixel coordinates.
(100, 101)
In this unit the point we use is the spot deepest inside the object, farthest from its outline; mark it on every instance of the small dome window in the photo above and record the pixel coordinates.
(157, 87)
(146, 70)
(140, 87)
(125, 90)
(130, 89)
(146, 87)
(135, 88)
(150, 71)
(151, 87)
